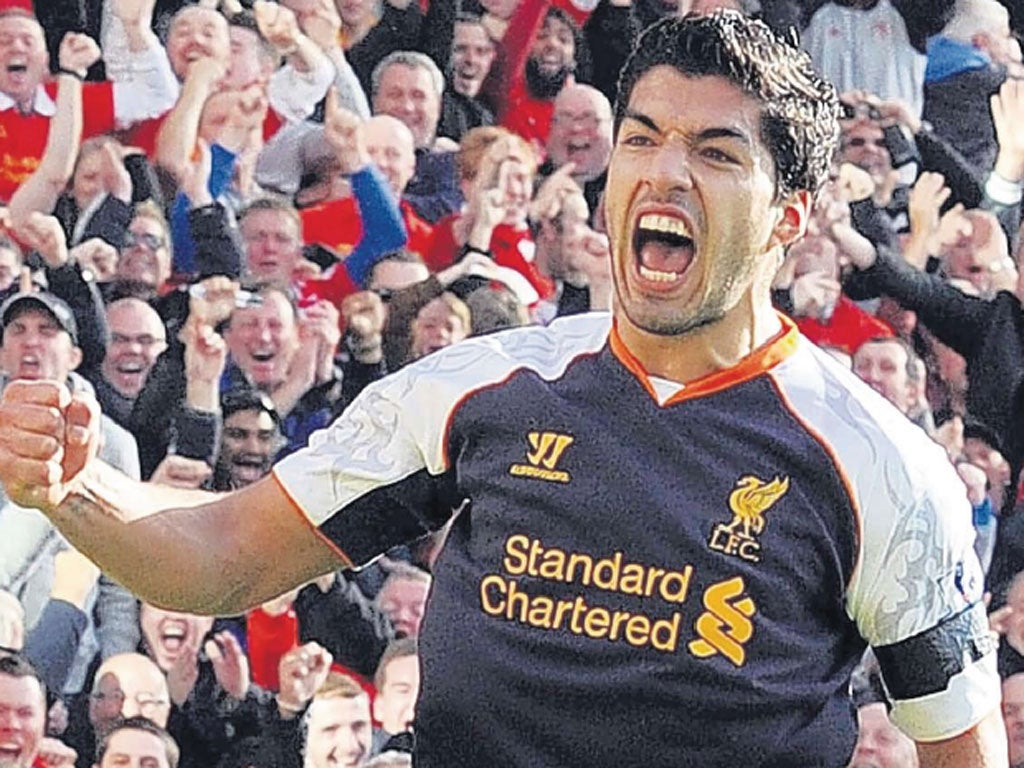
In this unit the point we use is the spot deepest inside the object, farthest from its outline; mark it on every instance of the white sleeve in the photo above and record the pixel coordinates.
(147, 87)
(294, 95)
(916, 592)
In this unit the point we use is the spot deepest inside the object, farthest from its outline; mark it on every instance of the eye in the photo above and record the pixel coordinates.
(638, 140)
(718, 156)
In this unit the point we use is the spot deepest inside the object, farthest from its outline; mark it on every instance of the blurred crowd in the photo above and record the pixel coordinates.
(225, 219)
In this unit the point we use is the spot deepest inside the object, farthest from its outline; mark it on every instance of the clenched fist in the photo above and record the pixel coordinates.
(47, 436)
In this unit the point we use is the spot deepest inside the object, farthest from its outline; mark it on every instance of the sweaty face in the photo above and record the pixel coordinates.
(391, 147)
(263, 339)
(408, 93)
(137, 338)
(130, 748)
(879, 743)
(883, 367)
(23, 57)
(196, 33)
(22, 719)
(581, 132)
(395, 704)
(472, 56)
(434, 328)
(273, 246)
(689, 203)
(404, 602)
(248, 441)
(168, 633)
(339, 732)
(144, 258)
(35, 346)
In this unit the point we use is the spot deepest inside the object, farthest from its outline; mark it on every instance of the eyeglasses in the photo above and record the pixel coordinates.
(152, 242)
(145, 340)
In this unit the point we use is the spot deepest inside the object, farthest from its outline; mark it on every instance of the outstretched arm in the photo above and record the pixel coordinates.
(181, 549)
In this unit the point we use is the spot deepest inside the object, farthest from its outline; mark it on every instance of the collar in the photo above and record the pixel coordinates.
(762, 359)
(42, 105)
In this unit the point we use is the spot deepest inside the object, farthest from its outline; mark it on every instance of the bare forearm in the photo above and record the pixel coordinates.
(40, 191)
(144, 536)
(984, 746)
(177, 136)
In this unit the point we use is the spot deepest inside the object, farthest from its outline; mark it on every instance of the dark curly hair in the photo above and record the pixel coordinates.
(800, 116)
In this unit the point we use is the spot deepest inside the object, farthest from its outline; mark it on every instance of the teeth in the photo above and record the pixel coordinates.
(657, 275)
(670, 224)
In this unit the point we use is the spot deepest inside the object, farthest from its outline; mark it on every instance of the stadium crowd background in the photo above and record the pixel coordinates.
(225, 219)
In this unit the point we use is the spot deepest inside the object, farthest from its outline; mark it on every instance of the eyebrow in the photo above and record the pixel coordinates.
(721, 132)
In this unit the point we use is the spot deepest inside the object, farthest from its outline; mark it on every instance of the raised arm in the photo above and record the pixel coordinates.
(40, 191)
(238, 549)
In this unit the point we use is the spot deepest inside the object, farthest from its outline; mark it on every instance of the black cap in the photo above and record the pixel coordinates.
(49, 303)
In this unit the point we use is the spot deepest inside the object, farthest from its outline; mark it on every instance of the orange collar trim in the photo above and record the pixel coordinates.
(762, 359)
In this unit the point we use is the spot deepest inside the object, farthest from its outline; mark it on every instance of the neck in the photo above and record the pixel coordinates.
(714, 347)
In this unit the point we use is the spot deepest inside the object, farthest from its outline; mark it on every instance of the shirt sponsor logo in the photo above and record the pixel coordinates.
(749, 500)
(542, 457)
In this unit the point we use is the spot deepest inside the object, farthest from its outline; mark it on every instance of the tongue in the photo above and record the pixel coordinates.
(663, 257)
(172, 643)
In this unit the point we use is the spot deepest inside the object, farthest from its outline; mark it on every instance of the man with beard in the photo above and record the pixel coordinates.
(603, 479)
(539, 52)
(472, 53)
(250, 439)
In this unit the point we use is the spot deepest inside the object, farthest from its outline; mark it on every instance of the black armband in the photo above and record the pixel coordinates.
(925, 663)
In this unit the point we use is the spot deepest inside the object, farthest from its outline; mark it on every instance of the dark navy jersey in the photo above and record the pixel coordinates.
(642, 573)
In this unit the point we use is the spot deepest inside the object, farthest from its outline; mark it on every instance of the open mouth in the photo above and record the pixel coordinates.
(17, 68)
(664, 248)
(172, 636)
(10, 751)
(249, 468)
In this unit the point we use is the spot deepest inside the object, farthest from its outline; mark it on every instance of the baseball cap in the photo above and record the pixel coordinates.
(49, 303)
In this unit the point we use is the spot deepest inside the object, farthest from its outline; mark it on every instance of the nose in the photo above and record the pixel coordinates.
(130, 708)
(670, 168)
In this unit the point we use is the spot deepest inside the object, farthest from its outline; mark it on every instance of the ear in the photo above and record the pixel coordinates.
(76, 358)
(794, 213)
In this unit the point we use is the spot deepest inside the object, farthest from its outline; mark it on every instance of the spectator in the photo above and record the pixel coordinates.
(403, 598)
(885, 365)
(1013, 716)
(137, 339)
(137, 742)
(397, 683)
(408, 85)
(440, 323)
(472, 54)
(879, 743)
(26, 100)
(338, 725)
(23, 711)
(250, 439)
(126, 685)
(967, 63)
(581, 134)
(40, 341)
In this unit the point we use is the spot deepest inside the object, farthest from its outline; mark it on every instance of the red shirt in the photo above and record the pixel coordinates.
(849, 327)
(23, 137)
(510, 247)
(337, 225)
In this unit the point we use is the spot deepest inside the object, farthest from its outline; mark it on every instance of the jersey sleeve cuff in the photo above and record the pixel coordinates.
(968, 698)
